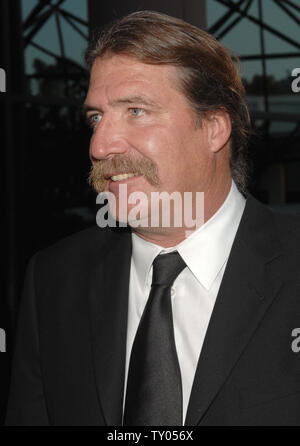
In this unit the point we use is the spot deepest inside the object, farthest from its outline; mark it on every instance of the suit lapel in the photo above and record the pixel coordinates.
(108, 297)
(248, 287)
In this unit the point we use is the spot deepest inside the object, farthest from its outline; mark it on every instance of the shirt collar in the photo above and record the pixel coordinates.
(205, 251)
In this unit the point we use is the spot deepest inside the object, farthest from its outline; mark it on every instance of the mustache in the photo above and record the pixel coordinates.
(120, 164)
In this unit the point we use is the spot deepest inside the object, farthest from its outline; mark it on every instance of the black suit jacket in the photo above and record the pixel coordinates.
(69, 357)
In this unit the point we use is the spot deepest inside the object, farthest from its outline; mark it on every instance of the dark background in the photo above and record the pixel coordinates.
(44, 140)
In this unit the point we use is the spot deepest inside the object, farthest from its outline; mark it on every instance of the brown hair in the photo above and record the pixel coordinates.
(209, 77)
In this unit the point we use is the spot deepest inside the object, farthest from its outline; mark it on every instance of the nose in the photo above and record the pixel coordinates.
(109, 138)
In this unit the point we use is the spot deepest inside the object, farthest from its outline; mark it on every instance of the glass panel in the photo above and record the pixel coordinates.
(78, 8)
(274, 44)
(47, 36)
(27, 6)
(83, 28)
(57, 78)
(214, 11)
(253, 10)
(31, 55)
(274, 16)
(74, 43)
(243, 38)
(249, 71)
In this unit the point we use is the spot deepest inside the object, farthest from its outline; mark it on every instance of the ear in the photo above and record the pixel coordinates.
(219, 129)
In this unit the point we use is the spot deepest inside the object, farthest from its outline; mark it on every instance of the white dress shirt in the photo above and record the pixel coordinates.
(194, 291)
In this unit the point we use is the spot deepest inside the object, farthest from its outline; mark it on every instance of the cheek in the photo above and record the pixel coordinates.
(175, 151)
(158, 143)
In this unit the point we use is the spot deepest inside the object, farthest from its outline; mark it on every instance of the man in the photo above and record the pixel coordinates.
(164, 324)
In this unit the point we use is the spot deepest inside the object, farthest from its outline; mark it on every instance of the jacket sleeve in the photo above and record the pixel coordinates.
(26, 403)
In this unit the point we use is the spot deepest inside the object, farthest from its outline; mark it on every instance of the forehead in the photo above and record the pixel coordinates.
(111, 75)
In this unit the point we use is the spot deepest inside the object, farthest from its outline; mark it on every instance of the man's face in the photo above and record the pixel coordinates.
(143, 124)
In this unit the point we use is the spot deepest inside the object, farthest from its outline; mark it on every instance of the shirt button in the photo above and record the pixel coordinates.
(173, 291)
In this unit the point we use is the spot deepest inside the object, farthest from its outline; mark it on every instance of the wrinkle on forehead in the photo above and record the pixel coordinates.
(115, 74)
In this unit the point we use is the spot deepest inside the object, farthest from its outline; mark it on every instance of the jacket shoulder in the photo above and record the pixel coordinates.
(80, 250)
(288, 224)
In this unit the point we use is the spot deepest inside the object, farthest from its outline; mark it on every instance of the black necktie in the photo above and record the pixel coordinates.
(154, 391)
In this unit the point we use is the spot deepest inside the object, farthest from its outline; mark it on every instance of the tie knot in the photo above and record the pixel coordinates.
(166, 267)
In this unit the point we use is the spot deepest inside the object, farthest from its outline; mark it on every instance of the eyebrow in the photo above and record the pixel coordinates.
(86, 108)
(140, 99)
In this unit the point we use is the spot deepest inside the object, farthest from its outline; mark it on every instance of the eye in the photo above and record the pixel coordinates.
(93, 120)
(135, 111)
